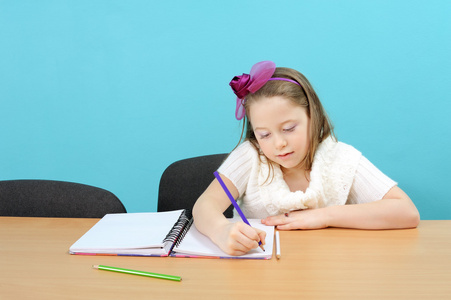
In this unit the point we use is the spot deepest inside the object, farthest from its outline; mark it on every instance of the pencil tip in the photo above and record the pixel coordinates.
(95, 266)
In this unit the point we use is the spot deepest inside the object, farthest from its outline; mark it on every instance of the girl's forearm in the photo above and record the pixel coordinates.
(382, 214)
(208, 217)
(208, 211)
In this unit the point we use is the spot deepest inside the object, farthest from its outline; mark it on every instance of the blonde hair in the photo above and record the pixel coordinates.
(303, 95)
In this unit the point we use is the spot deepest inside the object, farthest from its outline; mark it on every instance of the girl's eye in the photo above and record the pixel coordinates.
(290, 129)
(263, 135)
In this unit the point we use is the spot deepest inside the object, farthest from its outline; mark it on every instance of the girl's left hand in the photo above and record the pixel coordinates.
(300, 219)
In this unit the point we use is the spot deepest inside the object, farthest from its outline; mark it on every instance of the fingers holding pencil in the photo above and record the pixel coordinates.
(239, 238)
(262, 237)
(254, 235)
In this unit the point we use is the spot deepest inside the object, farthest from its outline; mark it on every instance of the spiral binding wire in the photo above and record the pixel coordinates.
(180, 228)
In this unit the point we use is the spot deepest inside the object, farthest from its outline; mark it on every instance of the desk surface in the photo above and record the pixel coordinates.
(318, 264)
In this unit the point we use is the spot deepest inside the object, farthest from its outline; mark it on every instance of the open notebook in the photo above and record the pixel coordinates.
(158, 234)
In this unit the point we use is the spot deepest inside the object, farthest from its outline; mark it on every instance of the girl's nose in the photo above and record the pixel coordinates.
(280, 142)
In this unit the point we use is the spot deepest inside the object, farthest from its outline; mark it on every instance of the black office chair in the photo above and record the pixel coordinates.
(185, 180)
(59, 199)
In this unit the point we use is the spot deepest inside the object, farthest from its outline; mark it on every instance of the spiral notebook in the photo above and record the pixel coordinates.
(169, 233)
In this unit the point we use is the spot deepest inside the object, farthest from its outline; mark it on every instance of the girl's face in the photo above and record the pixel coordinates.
(282, 130)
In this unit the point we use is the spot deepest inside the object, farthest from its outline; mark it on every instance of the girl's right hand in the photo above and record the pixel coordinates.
(239, 238)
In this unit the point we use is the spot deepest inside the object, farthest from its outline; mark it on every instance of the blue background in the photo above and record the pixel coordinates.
(109, 93)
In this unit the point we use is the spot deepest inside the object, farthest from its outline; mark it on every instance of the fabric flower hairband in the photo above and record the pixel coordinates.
(250, 83)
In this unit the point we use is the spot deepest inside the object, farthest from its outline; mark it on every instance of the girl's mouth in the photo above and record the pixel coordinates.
(284, 156)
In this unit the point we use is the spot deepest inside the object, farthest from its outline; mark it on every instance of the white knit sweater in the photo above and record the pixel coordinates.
(340, 175)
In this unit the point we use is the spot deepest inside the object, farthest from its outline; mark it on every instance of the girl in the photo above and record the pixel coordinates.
(291, 172)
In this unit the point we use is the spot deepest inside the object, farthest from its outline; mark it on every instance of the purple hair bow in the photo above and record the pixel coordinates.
(250, 83)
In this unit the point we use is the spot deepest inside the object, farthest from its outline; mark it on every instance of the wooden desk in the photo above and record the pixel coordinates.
(318, 264)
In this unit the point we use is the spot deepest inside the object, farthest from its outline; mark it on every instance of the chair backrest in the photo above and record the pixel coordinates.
(185, 180)
(59, 199)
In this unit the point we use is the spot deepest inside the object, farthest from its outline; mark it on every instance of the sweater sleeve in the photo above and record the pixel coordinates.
(237, 167)
(370, 184)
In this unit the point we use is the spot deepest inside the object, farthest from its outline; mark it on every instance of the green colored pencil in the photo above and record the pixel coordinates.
(134, 272)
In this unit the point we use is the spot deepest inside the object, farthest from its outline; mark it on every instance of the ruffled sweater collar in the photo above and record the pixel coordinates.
(333, 170)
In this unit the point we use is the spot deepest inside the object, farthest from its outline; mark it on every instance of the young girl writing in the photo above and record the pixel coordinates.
(291, 172)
